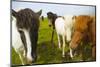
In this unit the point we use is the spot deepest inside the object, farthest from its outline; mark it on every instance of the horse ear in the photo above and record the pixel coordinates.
(91, 19)
(39, 13)
(74, 17)
(14, 13)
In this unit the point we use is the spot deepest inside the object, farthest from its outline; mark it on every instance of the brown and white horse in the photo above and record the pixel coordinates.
(85, 32)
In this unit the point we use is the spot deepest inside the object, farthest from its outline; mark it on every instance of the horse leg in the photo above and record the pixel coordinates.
(59, 44)
(63, 53)
(52, 36)
(71, 54)
(71, 51)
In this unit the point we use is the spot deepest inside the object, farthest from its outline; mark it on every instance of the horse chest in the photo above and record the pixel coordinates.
(59, 25)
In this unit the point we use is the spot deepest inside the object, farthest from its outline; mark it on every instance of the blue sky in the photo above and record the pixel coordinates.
(59, 9)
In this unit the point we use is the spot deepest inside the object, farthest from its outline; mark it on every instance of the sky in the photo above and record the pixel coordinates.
(59, 9)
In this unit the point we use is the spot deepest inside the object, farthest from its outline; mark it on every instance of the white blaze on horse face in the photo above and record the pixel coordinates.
(50, 22)
(28, 41)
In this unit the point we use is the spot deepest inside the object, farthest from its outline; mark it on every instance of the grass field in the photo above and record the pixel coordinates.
(47, 52)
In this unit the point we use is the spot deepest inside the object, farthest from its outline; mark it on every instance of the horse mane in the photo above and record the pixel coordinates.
(81, 22)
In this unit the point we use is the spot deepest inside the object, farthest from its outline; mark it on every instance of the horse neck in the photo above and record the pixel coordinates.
(53, 22)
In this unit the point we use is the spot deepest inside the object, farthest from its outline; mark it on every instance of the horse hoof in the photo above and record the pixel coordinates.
(59, 47)
(63, 56)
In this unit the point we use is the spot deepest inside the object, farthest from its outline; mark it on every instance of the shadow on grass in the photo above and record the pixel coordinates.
(50, 53)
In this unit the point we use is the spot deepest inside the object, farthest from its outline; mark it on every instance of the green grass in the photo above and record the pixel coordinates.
(47, 52)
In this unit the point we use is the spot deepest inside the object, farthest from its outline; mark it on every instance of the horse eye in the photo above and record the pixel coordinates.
(82, 32)
(20, 31)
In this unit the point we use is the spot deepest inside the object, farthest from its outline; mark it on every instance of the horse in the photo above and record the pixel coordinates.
(85, 32)
(25, 25)
(63, 26)
(52, 17)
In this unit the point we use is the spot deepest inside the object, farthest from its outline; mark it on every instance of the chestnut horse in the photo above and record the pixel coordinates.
(85, 32)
